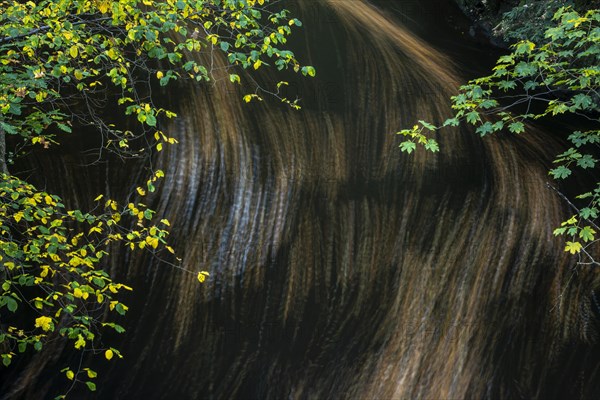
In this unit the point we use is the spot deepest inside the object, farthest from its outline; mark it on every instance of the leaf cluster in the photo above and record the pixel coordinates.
(58, 60)
(559, 77)
(58, 255)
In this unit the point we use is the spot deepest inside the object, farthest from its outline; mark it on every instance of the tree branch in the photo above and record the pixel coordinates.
(3, 167)
(47, 28)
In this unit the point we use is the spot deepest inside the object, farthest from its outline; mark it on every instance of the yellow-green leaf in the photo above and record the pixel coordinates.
(573, 247)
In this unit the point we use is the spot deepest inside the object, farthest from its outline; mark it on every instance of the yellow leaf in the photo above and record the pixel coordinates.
(77, 293)
(43, 322)
(108, 354)
(70, 375)
(573, 247)
(103, 7)
(141, 191)
(37, 303)
(99, 197)
(112, 54)
(152, 241)
(159, 147)
(74, 51)
(80, 342)
(18, 216)
(75, 261)
(202, 276)
(159, 74)
(257, 64)
(247, 98)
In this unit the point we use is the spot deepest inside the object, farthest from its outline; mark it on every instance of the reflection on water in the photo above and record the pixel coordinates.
(341, 268)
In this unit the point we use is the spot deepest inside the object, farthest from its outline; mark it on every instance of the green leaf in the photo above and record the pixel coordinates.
(150, 120)
(582, 101)
(587, 234)
(586, 161)
(11, 130)
(11, 303)
(516, 127)
(507, 85)
(308, 70)
(484, 129)
(588, 212)
(432, 146)
(524, 47)
(120, 309)
(451, 122)
(525, 69)
(559, 231)
(64, 127)
(6, 360)
(427, 125)
(561, 172)
(473, 117)
(91, 386)
(408, 147)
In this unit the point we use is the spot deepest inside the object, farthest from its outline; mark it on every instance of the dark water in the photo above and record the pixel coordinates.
(341, 268)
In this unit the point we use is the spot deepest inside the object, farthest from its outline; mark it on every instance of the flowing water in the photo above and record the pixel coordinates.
(340, 267)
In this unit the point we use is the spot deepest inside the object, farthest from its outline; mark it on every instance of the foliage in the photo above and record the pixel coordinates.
(529, 20)
(56, 55)
(65, 65)
(50, 267)
(559, 77)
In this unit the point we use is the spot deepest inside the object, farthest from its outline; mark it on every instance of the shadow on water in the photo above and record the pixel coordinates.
(341, 268)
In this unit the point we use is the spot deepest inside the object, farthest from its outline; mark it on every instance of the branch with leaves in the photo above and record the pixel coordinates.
(559, 77)
(62, 66)
(57, 56)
